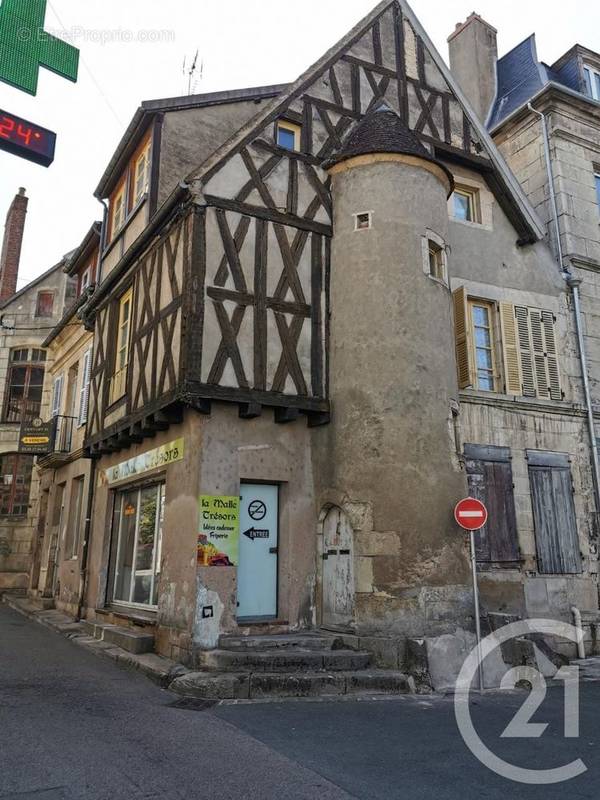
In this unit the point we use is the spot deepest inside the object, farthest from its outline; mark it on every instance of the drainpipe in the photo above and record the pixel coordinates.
(573, 283)
(86, 539)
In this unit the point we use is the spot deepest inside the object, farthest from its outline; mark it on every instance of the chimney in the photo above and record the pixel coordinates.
(11, 245)
(473, 56)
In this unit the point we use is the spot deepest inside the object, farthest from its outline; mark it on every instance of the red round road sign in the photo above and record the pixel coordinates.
(470, 514)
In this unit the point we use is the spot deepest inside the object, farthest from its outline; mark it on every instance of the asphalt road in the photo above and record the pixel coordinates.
(73, 725)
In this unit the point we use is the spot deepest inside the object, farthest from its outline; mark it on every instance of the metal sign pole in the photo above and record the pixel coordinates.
(476, 602)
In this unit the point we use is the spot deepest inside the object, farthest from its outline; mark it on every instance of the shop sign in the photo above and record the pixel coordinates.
(219, 531)
(154, 459)
(37, 437)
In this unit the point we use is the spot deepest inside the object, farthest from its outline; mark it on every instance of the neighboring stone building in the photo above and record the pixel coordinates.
(520, 98)
(65, 474)
(345, 315)
(26, 318)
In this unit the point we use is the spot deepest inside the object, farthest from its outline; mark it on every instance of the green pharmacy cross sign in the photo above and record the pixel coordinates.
(25, 46)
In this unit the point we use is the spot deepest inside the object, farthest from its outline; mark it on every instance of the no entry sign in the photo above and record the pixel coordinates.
(470, 514)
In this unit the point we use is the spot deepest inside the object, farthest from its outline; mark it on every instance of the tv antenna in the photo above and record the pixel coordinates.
(190, 71)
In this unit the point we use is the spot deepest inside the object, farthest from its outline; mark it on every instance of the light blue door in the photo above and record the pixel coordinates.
(257, 570)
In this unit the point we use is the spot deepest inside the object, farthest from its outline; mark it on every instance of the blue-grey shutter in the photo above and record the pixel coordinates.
(556, 537)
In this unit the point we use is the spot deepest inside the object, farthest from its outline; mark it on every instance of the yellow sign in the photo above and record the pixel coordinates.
(219, 534)
(35, 439)
(158, 457)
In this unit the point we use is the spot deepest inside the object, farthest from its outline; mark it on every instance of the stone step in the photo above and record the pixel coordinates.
(295, 660)
(264, 685)
(283, 641)
(130, 639)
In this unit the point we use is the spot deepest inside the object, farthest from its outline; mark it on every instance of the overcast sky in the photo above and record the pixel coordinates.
(134, 50)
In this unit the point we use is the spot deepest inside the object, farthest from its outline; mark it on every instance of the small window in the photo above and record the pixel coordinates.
(85, 280)
(483, 344)
(45, 304)
(141, 175)
(597, 183)
(592, 82)
(288, 135)
(362, 222)
(118, 211)
(119, 380)
(465, 203)
(437, 257)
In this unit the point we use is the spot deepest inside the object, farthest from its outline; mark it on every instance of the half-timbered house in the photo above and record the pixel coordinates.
(279, 331)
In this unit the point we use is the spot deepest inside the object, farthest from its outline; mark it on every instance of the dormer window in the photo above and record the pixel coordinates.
(288, 135)
(118, 211)
(141, 174)
(592, 82)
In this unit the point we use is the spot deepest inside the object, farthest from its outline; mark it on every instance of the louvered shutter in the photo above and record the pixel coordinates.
(461, 333)
(539, 353)
(510, 349)
(85, 387)
(551, 356)
(526, 352)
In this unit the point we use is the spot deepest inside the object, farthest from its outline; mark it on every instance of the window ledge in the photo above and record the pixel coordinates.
(516, 401)
(477, 225)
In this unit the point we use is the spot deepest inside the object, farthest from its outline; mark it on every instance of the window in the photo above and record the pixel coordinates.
(57, 387)
(362, 221)
(592, 82)
(76, 518)
(118, 211)
(554, 520)
(45, 304)
(15, 483)
(597, 183)
(84, 391)
(141, 175)
(137, 536)
(288, 135)
(525, 347)
(465, 204)
(119, 380)
(436, 260)
(489, 474)
(25, 382)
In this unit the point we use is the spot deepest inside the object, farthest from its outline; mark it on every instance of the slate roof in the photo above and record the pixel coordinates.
(520, 76)
(382, 131)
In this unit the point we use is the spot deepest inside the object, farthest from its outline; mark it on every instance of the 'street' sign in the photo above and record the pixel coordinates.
(219, 531)
(25, 46)
(158, 457)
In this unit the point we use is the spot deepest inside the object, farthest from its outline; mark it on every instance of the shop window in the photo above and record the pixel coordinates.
(137, 536)
(25, 383)
(15, 484)
(45, 304)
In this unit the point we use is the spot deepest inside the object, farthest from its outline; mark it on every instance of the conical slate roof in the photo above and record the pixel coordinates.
(382, 131)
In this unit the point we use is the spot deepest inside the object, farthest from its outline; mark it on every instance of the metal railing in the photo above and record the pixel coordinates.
(64, 433)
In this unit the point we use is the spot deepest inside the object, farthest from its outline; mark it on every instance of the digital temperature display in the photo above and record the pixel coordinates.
(27, 140)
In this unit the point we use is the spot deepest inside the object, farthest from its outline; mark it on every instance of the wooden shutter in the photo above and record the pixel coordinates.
(525, 351)
(510, 349)
(554, 387)
(490, 480)
(85, 386)
(462, 327)
(556, 537)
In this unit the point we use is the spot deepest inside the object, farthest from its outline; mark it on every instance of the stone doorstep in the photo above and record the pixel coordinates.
(159, 669)
(283, 641)
(293, 660)
(248, 686)
(129, 639)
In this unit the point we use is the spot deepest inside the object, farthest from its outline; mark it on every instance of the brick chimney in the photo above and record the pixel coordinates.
(473, 55)
(11, 245)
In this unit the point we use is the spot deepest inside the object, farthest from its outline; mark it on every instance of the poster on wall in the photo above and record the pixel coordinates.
(218, 536)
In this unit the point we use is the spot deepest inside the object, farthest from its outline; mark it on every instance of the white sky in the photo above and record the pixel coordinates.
(242, 43)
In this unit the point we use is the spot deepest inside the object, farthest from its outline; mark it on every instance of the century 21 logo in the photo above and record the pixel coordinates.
(520, 726)
(25, 46)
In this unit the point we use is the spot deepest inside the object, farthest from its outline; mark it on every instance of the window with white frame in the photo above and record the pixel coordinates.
(137, 536)
(592, 81)
(84, 391)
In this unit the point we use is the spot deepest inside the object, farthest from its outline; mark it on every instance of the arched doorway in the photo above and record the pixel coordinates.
(337, 607)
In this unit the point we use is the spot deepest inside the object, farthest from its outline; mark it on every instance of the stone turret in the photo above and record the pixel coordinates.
(391, 445)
